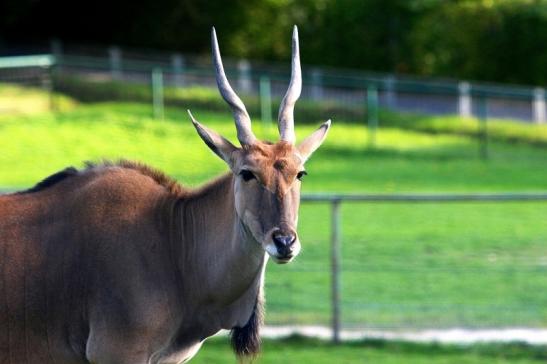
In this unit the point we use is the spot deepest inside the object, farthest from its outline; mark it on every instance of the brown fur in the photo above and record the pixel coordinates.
(170, 184)
(120, 264)
(71, 247)
(270, 151)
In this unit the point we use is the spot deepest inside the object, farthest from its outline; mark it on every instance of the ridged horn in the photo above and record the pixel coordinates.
(286, 110)
(241, 116)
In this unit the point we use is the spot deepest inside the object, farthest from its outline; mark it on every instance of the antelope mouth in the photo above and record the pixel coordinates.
(283, 260)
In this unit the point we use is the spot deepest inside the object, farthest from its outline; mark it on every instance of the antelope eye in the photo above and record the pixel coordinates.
(301, 175)
(247, 175)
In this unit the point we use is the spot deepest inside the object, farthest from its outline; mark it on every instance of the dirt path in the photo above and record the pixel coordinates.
(449, 336)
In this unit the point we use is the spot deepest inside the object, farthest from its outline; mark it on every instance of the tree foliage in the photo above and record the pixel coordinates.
(498, 40)
(487, 40)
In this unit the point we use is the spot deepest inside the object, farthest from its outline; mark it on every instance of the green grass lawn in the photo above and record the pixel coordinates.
(34, 146)
(297, 350)
(408, 265)
(404, 265)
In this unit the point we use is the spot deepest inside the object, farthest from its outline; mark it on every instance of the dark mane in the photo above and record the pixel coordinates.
(52, 180)
(159, 177)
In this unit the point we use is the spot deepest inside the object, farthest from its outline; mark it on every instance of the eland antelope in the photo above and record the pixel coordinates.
(119, 264)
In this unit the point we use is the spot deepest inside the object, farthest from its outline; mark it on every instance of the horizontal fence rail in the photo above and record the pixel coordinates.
(335, 251)
(346, 89)
(468, 197)
(354, 96)
(425, 197)
(44, 60)
(335, 200)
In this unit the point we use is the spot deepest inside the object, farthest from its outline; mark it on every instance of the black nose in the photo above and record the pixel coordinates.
(284, 243)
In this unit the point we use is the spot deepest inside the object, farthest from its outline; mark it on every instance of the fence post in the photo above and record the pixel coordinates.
(57, 51)
(266, 100)
(372, 113)
(47, 86)
(115, 56)
(316, 84)
(464, 100)
(391, 96)
(244, 80)
(483, 126)
(539, 106)
(157, 92)
(178, 65)
(335, 269)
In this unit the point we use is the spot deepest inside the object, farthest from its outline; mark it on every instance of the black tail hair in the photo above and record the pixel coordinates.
(246, 341)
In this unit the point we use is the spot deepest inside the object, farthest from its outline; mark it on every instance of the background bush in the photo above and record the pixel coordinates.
(496, 40)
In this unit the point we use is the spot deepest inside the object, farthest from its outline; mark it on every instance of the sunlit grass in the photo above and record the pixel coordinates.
(497, 130)
(34, 146)
(307, 111)
(17, 100)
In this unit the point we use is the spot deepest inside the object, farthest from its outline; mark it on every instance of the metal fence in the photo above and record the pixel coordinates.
(488, 281)
(348, 91)
(91, 74)
(350, 95)
(500, 283)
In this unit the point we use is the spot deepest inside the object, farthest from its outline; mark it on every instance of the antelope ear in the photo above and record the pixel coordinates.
(216, 142)
(312, 142)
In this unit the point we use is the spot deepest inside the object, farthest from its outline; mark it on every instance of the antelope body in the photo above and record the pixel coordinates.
(118, 264)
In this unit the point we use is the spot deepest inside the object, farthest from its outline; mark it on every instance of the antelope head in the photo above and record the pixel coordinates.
(268, 175)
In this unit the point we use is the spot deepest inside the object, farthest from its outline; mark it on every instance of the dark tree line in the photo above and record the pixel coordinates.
(497, 40)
